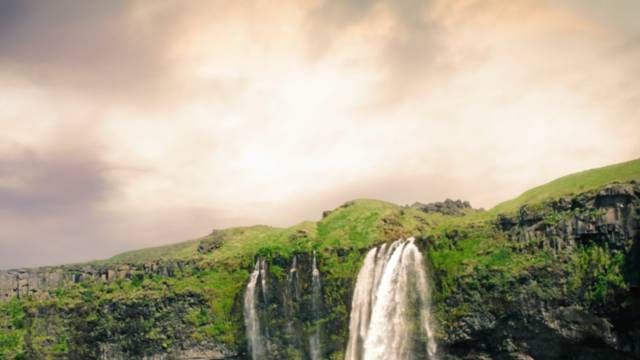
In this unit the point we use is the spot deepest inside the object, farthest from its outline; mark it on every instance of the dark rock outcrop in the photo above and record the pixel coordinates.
(213, 243)
(447, 207)
(608, 217)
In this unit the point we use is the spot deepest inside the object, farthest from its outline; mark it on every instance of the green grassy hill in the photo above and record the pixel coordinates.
(179, 250)
(357, 223)
(573, 184)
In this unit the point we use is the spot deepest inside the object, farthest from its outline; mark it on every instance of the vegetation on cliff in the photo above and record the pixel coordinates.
(555, 245)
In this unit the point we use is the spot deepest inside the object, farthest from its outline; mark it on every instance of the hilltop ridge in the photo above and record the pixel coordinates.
(572, 184)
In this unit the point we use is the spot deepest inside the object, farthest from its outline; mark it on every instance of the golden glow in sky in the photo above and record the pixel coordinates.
(143, 123)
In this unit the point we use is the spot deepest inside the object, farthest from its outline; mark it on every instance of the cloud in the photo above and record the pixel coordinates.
(329, 19)
(50, 204)
(35, 184)
(410, 48)
(130, 124)
(59, 204)
(113, 49)
(71, 237)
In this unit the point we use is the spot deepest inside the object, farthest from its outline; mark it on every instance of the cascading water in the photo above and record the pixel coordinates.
(290, 295)
(390, 310)
(251, 318)
(316, 298)
(293, 279)
(290, 305)
(265, 299)
(263, 280)
(262, 313)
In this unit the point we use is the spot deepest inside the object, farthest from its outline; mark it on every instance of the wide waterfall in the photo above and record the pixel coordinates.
(316, 299)
(251, 318)
(390, 310)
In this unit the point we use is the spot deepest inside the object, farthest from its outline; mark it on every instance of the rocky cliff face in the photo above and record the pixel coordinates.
(28, 282)
(608, 218)
(583, 303)
(42, 283)
(139, 329)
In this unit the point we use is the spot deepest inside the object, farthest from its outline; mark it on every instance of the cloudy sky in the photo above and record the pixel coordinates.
(126, 124)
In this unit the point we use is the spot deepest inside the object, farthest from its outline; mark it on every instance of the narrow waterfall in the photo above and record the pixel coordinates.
(390, 310)
(316, 299)
(265, 299)
(290, 305)
(277, 311)
(290, 292)
(294, 279)
(251, 319)
(263, 280)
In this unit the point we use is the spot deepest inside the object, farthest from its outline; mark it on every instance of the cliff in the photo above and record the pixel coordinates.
(562, 284)
(552, 274)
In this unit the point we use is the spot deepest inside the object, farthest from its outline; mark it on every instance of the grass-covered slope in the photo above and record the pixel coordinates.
(573, 184)
(356, 223)
(179, 250)
(241, 239)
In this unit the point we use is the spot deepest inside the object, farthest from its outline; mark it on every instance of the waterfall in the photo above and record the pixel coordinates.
(290, 304)
(290, 294)
(316, 298)
(293, 278)
(263, 280)
(251, 318)
(390, 310)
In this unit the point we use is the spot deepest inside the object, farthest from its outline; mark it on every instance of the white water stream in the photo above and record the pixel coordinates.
(251, 318)
(316, 299)
(390, 310)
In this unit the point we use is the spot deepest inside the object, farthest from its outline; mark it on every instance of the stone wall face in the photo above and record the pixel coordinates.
(539, 314)
(29, 282)
(41, 283)
(609, 218)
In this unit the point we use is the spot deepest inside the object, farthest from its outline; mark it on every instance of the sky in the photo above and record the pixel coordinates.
(127, 124)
